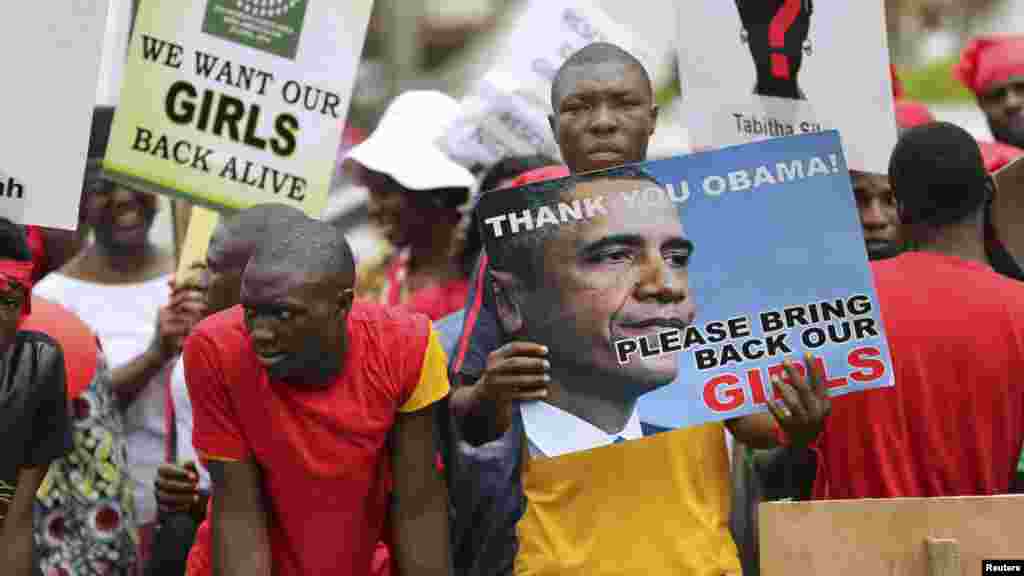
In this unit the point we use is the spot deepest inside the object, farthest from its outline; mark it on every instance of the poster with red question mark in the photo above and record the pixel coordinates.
(757, 69)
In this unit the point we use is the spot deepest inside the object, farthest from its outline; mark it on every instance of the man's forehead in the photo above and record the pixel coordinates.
(262, 282)
(864, 182)
(581, 79)
(633, 205)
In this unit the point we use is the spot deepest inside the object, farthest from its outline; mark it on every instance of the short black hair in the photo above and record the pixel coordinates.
(523, 254)
(13, 242)
(311, 247)
(938, 174)
(593, 54)
(251, 227)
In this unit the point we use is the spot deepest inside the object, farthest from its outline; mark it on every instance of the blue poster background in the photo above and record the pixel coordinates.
(780, 245)
(789, 238)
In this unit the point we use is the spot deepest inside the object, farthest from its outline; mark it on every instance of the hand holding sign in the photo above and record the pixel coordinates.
(805, 403)
(517, 371)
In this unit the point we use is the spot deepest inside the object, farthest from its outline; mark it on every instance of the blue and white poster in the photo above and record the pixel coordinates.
(668, 293)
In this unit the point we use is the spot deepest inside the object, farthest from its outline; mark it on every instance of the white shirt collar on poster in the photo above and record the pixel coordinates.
(553, 432)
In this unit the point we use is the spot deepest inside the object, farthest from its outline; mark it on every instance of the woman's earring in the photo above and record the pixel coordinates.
(808, 49)
(743, 36)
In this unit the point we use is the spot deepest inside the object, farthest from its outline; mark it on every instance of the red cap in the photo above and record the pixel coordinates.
(910, 114)
(989, 60)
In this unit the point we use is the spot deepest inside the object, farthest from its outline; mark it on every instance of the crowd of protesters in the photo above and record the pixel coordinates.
(292, 413)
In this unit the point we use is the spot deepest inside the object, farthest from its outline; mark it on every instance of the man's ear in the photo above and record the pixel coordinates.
(654, 118)
(508, 292)
(990, 189)
(345, 299)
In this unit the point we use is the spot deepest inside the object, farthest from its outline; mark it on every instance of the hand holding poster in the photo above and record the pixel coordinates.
(51, 60)
(506, 112)
(760, 69)
(232, 104)
(669, 292)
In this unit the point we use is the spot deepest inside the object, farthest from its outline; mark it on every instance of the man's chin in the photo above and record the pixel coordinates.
(1009, 134)
(601, 161)
(650, 374)
(883, 250)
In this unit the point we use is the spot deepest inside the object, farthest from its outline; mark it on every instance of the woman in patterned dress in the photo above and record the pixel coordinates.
(84, 522)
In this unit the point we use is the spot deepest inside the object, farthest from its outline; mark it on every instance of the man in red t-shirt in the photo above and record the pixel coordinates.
(303, 403)
(953, 424)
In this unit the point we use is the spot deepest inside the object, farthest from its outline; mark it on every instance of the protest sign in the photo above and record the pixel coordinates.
(1008, 209)
(679, 286)
(506, 112)
(891, 535)
(201, 225)
(52, 58)
(232, 104)
(754, 70)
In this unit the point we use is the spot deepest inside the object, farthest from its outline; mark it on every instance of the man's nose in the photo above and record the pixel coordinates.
(262, 333)
(604, 119)
(872, 217)
(659, 281)
(1015, 97)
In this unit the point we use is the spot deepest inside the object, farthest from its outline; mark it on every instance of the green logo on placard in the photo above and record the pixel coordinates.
(270, 25)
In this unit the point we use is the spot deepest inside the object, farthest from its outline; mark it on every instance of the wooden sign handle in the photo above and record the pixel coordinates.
(943, 557)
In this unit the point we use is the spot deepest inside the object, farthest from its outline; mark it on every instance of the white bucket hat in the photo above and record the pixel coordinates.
(403, 145)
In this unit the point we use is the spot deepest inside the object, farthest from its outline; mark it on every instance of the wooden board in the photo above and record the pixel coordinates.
(1008, 208)
(887, 537)
(181, 212)
(192, 250)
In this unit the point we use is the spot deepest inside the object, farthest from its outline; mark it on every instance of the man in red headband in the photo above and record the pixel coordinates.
(992, 67)
(34, 419)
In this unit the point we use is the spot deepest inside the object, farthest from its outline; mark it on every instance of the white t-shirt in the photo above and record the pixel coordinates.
(124, 318)
(183, 422)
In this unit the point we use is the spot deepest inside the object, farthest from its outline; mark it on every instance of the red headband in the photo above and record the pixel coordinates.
(990, 60)
(540, 175)
(20, 274)
(997, 155)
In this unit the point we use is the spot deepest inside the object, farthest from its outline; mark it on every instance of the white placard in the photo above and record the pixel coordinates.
(232, 103)
(833, 55)
(51, 59)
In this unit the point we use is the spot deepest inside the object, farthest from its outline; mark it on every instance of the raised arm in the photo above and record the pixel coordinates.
(419, 506)
(185, 308)
(238, 523)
